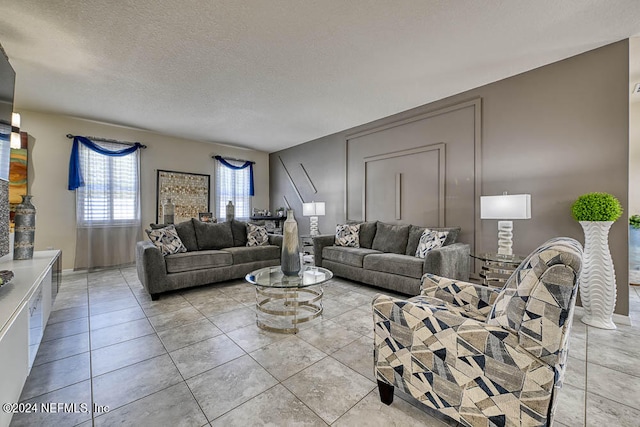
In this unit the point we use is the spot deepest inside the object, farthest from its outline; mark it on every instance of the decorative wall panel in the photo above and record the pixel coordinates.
(406, 186)
(435, 189)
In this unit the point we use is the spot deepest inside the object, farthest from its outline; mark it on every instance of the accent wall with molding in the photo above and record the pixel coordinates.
(49, 151)
(554, 132)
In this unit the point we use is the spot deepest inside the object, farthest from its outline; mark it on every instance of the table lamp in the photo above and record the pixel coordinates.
(506, 207)
(313, 210)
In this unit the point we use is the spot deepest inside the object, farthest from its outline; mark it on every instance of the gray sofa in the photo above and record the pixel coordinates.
(215, 253)
(386, 258)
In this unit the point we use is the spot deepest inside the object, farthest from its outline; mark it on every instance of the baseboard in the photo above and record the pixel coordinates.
(620, 319)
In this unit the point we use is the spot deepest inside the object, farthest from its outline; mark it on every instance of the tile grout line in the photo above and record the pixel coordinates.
(586, 374)
(93, 421)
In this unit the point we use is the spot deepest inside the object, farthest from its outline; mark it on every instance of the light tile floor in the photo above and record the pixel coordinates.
(196, 358)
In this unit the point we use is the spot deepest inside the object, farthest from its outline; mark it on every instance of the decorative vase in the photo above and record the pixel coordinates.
(290, 258)
(168, 212)
(231, 211)
(25, 229)
(598, 278)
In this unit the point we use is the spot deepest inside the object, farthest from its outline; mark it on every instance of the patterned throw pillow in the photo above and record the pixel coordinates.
(257, 235)
(166, 239)
(348, 235)
(430, 240)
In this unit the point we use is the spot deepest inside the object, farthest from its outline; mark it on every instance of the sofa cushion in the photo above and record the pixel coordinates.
(367, 232)
(391, 238)
(166, 239)
(246, 254)
(415, 233)
(257, 235)
(345, 255)
(348, 235)
(186, 232)
(197, 260)
(239, 232)
(430, 240)
(402, 265)
(212, 235)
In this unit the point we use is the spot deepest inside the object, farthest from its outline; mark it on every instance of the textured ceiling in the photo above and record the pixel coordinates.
(271, 74)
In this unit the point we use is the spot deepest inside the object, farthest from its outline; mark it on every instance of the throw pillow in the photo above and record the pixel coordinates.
(257, 235)
(166, 239)
(347, 235)
(186, 233)
(430, 240)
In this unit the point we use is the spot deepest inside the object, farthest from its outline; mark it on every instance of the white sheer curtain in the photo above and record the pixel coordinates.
(233, 185)
(107, 208)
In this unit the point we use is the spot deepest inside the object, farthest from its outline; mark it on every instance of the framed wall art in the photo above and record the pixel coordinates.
(189, 192)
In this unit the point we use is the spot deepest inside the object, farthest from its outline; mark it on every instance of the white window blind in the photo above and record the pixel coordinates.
(110, 196)
(233, 185)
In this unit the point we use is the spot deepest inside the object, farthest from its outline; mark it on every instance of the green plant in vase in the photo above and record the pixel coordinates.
(634, 221)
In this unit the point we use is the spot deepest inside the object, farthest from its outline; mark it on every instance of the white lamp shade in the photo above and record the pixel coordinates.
(507, 206)
(313, 209)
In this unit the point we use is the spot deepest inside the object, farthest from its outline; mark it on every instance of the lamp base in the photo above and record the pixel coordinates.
(505, 238)
(313, 225)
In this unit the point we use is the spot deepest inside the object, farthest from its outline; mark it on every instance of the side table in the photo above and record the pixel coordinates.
(306, 243)
(497, 268)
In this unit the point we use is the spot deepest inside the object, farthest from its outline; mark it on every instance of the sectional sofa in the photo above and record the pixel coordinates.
(386, 256)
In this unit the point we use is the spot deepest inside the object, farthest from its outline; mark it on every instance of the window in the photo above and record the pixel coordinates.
(110, 195)
(233, 185)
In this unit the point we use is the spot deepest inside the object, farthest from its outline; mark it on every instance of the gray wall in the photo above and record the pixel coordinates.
(555, 132)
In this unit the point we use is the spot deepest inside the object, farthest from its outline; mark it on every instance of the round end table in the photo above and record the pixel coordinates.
(283, 302)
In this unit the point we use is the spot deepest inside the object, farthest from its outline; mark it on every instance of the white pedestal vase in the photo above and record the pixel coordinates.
(598, 278)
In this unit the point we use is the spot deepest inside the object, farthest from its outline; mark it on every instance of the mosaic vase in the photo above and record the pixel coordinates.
(25, 230)
(598, 278)
(290, 258)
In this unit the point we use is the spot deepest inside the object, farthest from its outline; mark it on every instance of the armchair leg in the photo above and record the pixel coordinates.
(386, 392)
(155, 297)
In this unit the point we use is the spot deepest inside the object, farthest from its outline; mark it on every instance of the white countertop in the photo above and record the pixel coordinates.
(27, 273)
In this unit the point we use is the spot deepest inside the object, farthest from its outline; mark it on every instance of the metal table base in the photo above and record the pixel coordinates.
(293, 305)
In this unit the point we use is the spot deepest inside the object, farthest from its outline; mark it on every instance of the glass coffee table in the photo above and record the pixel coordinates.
(283, 302)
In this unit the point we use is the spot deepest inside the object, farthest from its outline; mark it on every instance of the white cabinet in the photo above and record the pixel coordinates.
(25, 305)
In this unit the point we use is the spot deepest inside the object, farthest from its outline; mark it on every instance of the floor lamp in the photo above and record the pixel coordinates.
(506, 208)
(313, 210)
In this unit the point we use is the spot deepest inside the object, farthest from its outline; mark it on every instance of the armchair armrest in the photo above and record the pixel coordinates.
(466, 295)
(151, 267)
(449, 261)
(319, 242)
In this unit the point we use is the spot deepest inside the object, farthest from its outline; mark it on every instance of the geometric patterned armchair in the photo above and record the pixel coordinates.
(482, 356)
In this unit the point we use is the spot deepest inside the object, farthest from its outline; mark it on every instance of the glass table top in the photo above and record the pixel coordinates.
(272, 277)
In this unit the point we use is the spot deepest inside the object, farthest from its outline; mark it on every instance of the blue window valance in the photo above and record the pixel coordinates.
(246, 164)
(75, 176)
